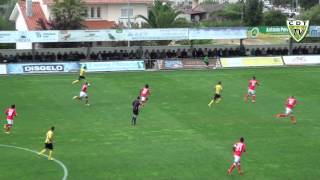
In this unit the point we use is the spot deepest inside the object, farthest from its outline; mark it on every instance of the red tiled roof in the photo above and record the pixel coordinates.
(37, 14)
(108, 1)
(99, 24)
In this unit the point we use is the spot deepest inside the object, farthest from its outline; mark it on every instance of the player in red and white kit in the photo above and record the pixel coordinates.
(83, 93)
(238, 149)
(290, 104)
(144, 94)
(253, 83)
(10, 113)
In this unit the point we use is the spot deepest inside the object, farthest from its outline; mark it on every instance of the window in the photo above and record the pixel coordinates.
(124, 12)
(92, 12)
(86, 13)
(98, 12)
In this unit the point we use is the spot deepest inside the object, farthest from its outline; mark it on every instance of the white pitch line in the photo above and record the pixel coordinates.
(65, 170)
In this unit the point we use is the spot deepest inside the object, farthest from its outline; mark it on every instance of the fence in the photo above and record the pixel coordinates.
(157, 64)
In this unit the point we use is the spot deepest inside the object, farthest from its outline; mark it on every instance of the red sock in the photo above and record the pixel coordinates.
(231, 168)
(239, 169)
(281, 115)
(293, 120)
(246, 97)
(253, 98)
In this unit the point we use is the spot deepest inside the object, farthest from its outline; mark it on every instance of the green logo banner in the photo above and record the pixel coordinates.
(268, 32)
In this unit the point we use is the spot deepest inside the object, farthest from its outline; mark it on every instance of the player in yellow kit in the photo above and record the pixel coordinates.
(48, 144)
(217, 96)
(82, 74)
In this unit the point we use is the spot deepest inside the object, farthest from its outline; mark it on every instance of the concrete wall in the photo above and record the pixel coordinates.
(22, 26)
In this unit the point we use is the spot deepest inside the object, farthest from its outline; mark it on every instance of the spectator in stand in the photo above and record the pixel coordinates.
(215, 52)
(263, 52)
(99, 56)
(184, 53)
(109, 55)
(205, 52)
(1, 58)
(295, 51)
(115, 55)
(18, 58)
(59, 56)
(37, 57)
(178, 53)
(230, 52)
(258, 52)
(92, 56)
(200, 53)
(104, 55)
(168, 54)
(146, 54)
(173, 54)
(132, 55)
(139, 54)
(285, 51)
(64, 56)
(300, 50)
(121, 55)
(268, 52)
(163, 54)
(158, 54)
(189, 53)
(82, 56)
(194, 53)
(153, 54)
(125, 54)
(305, 50)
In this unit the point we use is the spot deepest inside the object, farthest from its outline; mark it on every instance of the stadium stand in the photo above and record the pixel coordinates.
(169, 53)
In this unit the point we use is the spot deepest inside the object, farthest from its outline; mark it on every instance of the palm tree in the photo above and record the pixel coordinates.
(161, 15)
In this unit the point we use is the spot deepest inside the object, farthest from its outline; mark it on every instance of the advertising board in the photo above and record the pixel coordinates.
(157, 34)
(301, 60)
(217, 33)
(42, 68)
(114, 66)
(173, 64)
(251, 61)
(3, 69)
(268, 32)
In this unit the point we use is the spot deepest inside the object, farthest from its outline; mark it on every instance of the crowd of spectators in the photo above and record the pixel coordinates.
(195, 53)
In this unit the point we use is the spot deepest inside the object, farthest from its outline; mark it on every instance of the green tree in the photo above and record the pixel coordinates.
(67, 15)
(274, 18)
(161, 15)
(313, 15)
(307, 4)
(253, 15)
(230, 12)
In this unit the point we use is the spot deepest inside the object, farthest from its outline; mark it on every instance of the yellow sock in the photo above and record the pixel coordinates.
(75, 81)
(50, 155)
(210, 103)
(43, 151)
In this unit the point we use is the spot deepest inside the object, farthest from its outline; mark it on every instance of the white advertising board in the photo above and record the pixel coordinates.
(301, 60)
(251, 61)
(3, 69)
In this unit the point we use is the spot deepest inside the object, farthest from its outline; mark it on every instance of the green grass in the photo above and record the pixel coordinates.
(177, 137)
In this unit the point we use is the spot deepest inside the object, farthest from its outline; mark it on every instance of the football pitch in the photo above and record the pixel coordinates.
(177, 136)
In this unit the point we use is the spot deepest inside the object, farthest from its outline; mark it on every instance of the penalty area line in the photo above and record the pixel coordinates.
(65, 170)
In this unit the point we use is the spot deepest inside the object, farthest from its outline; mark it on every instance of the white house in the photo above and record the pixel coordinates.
(101, 14)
